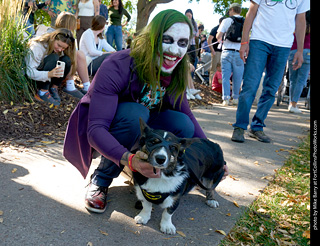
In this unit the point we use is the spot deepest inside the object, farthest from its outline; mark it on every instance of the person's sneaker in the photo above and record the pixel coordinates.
(295, 110)
(54, 93)
(197, 96)
(194, 91)
(238, 135)
(225, 103)
(260, 135)
(46, 98)
(190, 96)
(96, 198)
(74, 93)
(235, 101)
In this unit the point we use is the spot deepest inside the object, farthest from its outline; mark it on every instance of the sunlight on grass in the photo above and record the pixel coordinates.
(281, 214)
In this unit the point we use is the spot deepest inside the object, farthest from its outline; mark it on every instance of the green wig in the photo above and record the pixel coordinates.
(148, 44)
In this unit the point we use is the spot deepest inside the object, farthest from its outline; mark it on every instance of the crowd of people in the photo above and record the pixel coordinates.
(82, 53)
(153, 79)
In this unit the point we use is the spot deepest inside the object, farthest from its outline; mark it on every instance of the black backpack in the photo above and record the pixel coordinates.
(234, 32)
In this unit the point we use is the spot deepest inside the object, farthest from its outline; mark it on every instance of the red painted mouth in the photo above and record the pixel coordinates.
(170, 60)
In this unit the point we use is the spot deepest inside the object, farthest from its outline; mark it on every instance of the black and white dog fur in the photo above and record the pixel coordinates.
(184, 163)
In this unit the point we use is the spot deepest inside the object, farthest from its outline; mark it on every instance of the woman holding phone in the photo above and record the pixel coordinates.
(52, 57)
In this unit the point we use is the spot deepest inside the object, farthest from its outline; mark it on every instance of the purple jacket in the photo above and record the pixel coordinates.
(88, 128)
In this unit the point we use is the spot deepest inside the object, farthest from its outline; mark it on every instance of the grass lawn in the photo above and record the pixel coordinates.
(281, 214)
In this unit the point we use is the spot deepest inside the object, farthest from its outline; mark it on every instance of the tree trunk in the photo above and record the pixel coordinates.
(145, 8)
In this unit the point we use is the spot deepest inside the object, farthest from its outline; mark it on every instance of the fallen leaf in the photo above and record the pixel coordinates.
(103, 232)
(14, 170)
(221, 232)
(48, 142)
(5, 111)
(261, 210)
(234, 178)
(247, 236)
(1, 212)
(236, 204)
(268, 177)
(256, 163)
(306, 234)
(89, 244)
(228, 214)
(1, 220)
(191, 218)
(262, 228)
(181, 234)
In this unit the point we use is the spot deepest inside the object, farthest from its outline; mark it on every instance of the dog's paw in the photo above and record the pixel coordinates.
(142, 219)
(167, 228)
(212, 203)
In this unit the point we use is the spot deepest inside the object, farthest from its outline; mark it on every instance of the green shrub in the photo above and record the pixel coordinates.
(14, 86)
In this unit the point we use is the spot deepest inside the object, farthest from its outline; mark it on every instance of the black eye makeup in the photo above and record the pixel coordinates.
(183, 42)
(167, 39)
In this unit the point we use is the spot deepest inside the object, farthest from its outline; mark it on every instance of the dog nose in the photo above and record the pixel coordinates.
(160, 159)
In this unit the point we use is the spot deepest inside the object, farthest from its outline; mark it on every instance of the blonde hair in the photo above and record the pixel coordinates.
(63, 35)
(66, 20)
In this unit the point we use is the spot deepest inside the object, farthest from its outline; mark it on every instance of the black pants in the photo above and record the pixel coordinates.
(95, 64)
(49, 63)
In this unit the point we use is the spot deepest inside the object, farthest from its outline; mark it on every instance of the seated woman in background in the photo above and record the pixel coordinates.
(92, 43)
(69, 21)
(46, 50)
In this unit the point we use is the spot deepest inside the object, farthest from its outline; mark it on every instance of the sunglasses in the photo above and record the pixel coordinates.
(67, 36)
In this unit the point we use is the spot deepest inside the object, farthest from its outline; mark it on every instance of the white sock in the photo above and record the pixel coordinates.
(41, 93)
(86, 86)
(70, 85)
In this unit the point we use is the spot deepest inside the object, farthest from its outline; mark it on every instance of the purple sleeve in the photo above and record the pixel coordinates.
(109, 82)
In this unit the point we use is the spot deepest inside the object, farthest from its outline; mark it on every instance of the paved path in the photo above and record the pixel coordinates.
(41, 195)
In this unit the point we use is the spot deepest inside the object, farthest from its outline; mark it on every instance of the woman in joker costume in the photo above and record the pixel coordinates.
(148, 81)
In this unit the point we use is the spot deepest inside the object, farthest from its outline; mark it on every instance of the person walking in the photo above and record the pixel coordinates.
(273, 24)
(231, 64)
(298, 78)
(215, 49)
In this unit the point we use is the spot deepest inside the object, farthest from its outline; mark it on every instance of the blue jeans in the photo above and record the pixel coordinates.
(231, 63)
(261, 55)
(298, 78)
(114, 33)
(125, 128)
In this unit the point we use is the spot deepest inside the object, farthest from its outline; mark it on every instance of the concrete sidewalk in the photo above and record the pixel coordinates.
(42, 195)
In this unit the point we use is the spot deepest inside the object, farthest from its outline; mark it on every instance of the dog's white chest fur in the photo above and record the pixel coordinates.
(164, 184)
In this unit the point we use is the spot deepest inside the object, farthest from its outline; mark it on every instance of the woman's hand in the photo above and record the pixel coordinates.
(140, 164)
(57, 72)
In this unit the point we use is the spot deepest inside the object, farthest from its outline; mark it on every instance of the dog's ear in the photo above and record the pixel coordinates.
(144, 128)
(186, 142)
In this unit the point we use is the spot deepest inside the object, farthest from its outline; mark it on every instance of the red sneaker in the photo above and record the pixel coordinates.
(96, 198)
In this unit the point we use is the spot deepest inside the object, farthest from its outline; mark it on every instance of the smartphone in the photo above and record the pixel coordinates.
(62, 65)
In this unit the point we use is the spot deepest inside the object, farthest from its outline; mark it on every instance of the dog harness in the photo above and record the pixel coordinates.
(155, 197)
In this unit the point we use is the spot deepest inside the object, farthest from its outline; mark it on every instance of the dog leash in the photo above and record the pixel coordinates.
(203, 47)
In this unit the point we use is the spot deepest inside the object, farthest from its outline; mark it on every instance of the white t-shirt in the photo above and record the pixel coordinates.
(224, 26)
(275, 21)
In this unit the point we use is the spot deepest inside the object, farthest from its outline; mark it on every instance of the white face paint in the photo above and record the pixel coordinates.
(174, 46)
